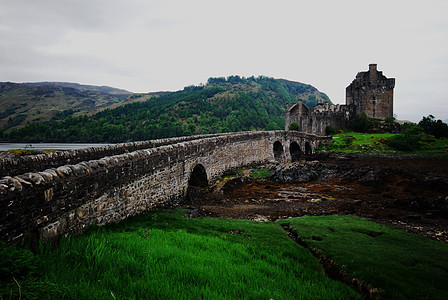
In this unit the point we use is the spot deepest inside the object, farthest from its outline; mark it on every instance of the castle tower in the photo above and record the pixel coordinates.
(372, 93)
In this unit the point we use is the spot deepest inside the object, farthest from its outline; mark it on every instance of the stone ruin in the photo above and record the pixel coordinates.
(370, 92)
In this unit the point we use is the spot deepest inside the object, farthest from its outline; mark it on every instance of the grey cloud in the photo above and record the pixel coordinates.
(165, 45)
(68, 14)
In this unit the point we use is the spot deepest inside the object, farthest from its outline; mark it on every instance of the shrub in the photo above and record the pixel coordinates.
(390, 125)
(347, 140)
(405, 141)
(328, 145)
(411, 128)
(330, 130)
(361, 123)
(293, 126)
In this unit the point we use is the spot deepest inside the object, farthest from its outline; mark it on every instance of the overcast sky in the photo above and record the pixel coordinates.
(153, 45)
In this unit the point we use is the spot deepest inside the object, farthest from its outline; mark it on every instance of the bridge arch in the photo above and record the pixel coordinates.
(308, 148)
(295, 151)
(198, 177)
(278, 151)
(198, 181)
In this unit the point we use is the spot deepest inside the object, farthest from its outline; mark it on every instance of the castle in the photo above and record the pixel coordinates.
(370, 92)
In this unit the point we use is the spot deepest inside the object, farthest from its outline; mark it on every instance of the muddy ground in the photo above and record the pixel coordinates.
(406, 192)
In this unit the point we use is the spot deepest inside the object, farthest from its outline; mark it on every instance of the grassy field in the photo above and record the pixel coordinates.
(376, 143)
(164, 255)
(403, 265)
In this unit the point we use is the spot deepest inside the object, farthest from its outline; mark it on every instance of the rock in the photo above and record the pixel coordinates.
(429, 215)
(303, 172)
(260, 218)
(230, 184)
(347, 208)
(435, 182)
(413, 217)
(371, 176)
(64, 170)
(35, 178)
(193, 213)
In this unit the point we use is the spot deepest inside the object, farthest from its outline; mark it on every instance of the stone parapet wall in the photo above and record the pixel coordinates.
(14, 165)
(48, 203)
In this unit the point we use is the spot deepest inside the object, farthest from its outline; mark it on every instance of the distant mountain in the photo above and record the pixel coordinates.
(82, 87)
(222, 105)
(25, 103)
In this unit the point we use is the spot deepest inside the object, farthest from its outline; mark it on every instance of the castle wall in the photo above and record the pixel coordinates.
(370, 92)
(316, 119)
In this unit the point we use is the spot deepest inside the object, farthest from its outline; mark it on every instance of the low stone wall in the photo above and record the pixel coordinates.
(15, 165)
(45, 204)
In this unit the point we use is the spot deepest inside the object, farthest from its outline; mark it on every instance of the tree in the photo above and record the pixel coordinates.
(293, 126)
(272, 126)
(436, 128)
(217, 80)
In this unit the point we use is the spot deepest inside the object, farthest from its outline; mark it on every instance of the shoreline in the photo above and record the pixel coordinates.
(406, 193)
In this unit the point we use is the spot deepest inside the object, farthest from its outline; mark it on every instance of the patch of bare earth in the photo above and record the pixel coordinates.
(411, 194)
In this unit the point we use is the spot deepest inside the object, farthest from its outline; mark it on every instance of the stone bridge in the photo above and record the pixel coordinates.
(46, 195)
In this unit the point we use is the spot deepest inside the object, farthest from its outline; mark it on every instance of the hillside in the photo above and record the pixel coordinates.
(222, 105)
(24, 103)
(82, 87)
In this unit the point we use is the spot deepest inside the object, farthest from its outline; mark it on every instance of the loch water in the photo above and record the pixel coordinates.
(48, 146)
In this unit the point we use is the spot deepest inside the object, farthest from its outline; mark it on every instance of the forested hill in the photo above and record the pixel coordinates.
(222, 105)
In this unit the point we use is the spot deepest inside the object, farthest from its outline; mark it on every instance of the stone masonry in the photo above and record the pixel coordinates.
(370, 92)
(67, 198)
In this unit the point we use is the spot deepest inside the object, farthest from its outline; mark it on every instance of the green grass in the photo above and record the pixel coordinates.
(405, 265)
(361, 142)
(164, 255)
(260, 173)
(376, 143)
(253, 173)
(19, 275)
(434, 147)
